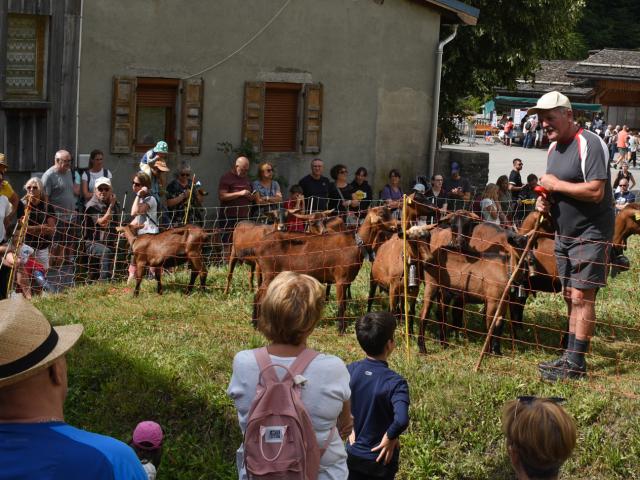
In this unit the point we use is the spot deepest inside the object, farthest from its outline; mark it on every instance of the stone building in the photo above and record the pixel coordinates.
(347, 81)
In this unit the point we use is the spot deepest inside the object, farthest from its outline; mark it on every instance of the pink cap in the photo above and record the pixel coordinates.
(148, 435)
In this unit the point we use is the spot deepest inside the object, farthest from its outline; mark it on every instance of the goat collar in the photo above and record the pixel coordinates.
(366, 250)
(359, 241)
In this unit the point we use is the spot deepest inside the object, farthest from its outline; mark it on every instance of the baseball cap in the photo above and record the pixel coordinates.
(161, 147)
(418, 187)
(455, 167)
(102, 181)
(147, 435)
(550, 101)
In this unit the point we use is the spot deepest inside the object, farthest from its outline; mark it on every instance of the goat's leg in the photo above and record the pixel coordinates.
(349, 297)
(140, 269)
(428, 294)
(372, 292)
(441, 308)
(412, 311)
(327, 292)
(491, 309)
(258, 275)
(197, 268)
(232, 265)
(158, 274)
(252, 271)
(342, 306)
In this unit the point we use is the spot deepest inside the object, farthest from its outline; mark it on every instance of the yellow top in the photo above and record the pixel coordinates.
(6, 190)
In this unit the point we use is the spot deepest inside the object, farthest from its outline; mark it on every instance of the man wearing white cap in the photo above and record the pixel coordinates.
(35, 441)
(581, 207)
(100, 222)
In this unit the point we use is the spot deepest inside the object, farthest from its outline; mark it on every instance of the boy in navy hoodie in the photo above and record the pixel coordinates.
(379, 402)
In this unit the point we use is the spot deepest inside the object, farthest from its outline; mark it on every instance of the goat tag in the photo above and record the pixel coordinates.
(637, 216)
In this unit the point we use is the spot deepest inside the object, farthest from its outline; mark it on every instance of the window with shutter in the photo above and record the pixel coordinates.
(252, 118)
(312, 118)
(156, 112)
(281, 117)
(123, 114)
(191, 116)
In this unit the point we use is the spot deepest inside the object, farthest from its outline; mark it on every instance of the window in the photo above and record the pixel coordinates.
(272, 112)
(26, 56)
(145, 110)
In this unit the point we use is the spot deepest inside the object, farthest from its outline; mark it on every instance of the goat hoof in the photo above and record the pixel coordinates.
(496, 349)
(342, 327)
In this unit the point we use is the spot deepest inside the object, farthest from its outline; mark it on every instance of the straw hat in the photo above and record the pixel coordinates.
(28, 342)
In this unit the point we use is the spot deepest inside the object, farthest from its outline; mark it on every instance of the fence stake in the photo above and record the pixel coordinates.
(115, 255)
(186, 212)
(406, 273)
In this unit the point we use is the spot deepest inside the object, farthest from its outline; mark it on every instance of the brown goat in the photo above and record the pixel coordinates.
(172, 247)
(334, 258)
(248, 233)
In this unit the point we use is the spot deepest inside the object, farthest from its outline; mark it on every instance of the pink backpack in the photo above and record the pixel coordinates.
(280, 441)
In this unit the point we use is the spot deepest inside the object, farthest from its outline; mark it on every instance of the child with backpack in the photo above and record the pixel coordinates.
(146, 441)
(293, 402)
(379, 402)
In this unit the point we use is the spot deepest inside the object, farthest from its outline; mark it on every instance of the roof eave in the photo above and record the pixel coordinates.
(455, 11)
(603, 76)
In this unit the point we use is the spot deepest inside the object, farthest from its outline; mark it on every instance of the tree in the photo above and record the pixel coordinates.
(610, 24)
(507, 43)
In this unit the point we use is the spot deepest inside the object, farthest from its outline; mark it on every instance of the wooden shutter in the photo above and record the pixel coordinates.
(312, 118)
(191, 121)
(123, 114)
(253, 118)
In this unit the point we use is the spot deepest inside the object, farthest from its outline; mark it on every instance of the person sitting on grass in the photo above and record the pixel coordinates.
(146, 441)
(379, 402)
(540, 436)
(290, 311)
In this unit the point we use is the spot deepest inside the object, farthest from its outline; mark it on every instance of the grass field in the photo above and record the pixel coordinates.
(169, 359)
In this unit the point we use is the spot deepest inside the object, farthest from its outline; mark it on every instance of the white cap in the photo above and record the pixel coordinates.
(418, 187)
(102, 181)
(550, 101)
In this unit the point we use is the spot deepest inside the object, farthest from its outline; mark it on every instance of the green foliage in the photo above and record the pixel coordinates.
(507, 43)
(610, 25)
(245, 149)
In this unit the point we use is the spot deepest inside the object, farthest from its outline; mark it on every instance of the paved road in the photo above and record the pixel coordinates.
(501, 158)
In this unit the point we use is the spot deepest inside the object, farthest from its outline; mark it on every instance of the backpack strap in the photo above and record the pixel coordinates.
(264, 362)
(302, 361)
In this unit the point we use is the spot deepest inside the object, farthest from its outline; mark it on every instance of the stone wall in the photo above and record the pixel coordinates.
(473, 165)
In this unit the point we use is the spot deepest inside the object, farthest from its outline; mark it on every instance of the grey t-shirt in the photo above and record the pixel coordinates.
(584, 159)
(59, 188)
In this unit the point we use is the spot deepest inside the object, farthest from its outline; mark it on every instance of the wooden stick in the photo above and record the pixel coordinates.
(406, 273)
(115, 255)
(21, 236)
(186, 212)
(534, 234)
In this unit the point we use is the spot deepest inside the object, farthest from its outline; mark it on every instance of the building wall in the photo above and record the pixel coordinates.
(375, 61)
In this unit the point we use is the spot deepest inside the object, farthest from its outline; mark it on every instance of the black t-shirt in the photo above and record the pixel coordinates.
(436, 202)
(316, 189)
(365, 188)
(94, 232)
(584, 159)
(515, 178)
(456, 203)
(336, 196)
(38, 216)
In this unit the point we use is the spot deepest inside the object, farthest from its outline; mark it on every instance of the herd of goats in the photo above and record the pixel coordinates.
(459, 259)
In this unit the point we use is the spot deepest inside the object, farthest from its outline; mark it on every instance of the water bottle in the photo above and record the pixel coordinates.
(413, 275)
(42, 282)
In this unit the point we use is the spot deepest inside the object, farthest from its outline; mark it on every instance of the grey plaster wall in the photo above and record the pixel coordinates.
(375, 61)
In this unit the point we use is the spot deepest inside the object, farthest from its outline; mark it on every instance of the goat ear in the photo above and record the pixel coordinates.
(473, 216)
(326, 213)
(293, 211)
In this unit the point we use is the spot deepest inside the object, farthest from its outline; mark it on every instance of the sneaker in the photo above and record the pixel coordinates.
(556, 363)
(567, 371)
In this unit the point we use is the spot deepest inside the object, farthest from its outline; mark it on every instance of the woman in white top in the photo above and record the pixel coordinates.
(144, 211)
(96, 170)
(289, 313)
(490, 205)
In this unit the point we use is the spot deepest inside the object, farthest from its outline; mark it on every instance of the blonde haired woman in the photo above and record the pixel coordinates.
(267, 189)
(540, 436)
(289, 313)
(490, 205)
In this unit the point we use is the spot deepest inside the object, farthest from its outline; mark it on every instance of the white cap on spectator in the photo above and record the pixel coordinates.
(418, 187)
(102, 181)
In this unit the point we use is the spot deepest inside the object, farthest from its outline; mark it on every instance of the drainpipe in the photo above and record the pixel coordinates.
(75, 153)
(436, 100)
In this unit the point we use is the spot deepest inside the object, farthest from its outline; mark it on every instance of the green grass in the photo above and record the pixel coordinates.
(169, 359)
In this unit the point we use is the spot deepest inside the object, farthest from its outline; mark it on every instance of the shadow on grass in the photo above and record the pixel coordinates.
(110, 393)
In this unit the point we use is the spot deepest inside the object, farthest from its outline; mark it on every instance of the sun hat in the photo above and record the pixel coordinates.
(102, 181)
(418, 187)
(161, 147)
(550, 101)
(3, 160)
(28, 342)
(147, 435)
(159, 164)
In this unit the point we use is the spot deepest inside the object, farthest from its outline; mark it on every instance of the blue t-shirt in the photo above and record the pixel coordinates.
(379, 405)
(57, 451)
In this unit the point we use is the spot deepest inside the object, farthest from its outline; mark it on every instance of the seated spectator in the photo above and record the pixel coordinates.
(627, 175)
(490, 207)
(295, 202)
(436, 198)
(146, 441)
(341, 195)
(100, 222)
(458, 189)
(289, 312)
(392, 192)
(362, 192)
(540, 436)
(373, 448)
(505, 198)
(624, 196)
(267, 190)
(95, 171)
(33, 388)
(5, 186)
(178, 192)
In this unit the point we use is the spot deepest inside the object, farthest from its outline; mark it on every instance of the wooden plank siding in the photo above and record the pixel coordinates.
(40, 127)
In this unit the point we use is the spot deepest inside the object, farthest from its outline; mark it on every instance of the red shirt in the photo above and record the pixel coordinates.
(623, 136)
(231, 182)
(508, 126)
(294, 224)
